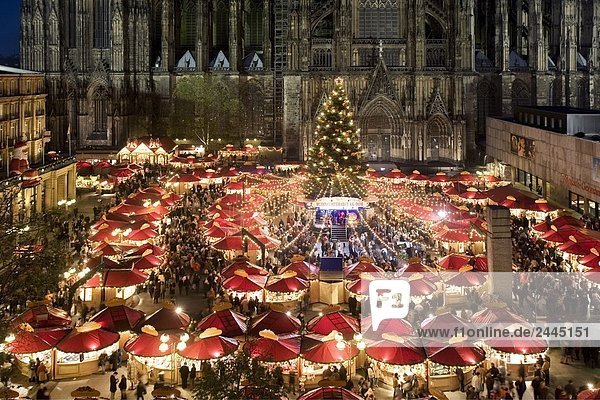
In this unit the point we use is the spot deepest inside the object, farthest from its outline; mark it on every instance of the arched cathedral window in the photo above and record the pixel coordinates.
(221, 24)
(101, 24)
(189, 24)
(100, 110)
(378, 19)
(253, 18)
(156, 30)
(71, 23)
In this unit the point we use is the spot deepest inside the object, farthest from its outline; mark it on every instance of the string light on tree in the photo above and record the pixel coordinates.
(334, 158)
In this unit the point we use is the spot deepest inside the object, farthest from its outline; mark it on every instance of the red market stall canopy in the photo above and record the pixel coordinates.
(464, 278)
(396, 350)
(147, 344)
(326, 351)
(395, 174)
(472, 194)
(43, 315)
(454, 356)
(270, 347)
(121, 172)
(118, 317)
(88, 337)
(330, 393)
(168, 317)
(364, 264)
(235, 243)
(497, 314)
(183, 178)
(101, 262)
(416, 176)
(359, 287)
(145, 249)
(52, 335)
(275, 320)
(541, 205)
(455, 189)
(564, 220)
(518, 345)
(591, 260)
(288, 282)
(220, 222)
(590, 394)
(397, 326)
(446, 320)
(304, 269)
(244, 283)
(146, 262)
(209, 345)
(453, 262)
(141, 235)
(578, 248)
(230, 322)
(112, 249)
(334, 321)
(564, 233)
(242, 263)
(440, 177)
(27, 342)
(464, 176)
(217, 232)
(452, 236)
(117, 278)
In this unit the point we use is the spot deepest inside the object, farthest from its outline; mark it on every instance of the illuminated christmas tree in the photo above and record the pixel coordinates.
(334, 159)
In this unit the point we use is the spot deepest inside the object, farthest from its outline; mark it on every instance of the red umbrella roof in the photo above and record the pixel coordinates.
(453, 262)
(83, 341)
(276, 321)
(117, 278)
(558, 222)
(220, 222)
(146, 262)
(304, 269)
(334, 321)
(489, 178)
(234, 243)
(104, 263)
(44, 316)
(142, 234)
(102, 235)
(147, 345)
(242, 282)
(235, 186)
(440, 177)
(141, 250)
(331, 393)
(327, 353)
(443, 321)
(394, 325)
(221, 231)
(589, 394)
(389, 352)
(209, 348)
(456, 356)
(422, 287)
(358, 287)
(541, 205)
(455, 189)
(112, 249)
(578, 248)
(472, 194)
(183, 178)
(166, 318)
(518, 345)
(353, 271)
(120, 172)
(119, 318)
(395, 174)
(27, 342)
(286, 347)
(554, 234)
(288, 282)
(452, 236)
(497, 315)
(592, 260)
(464, 176)
(464, 279)
(242, 263)
(52, 335)
(230, 322)
(417, 176)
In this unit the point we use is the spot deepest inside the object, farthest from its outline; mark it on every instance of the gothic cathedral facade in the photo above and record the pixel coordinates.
(421, 74)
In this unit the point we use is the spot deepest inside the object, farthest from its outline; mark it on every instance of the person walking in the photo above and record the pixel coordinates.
(184, 371)
(546, 370)
(140, 391)
(123, 387)
(460, 375)
(114, 381)
(193, 376)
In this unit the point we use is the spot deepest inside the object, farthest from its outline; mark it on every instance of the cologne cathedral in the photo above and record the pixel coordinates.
(422, 75)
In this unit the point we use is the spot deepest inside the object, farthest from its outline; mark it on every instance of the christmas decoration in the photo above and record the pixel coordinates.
(334, 158)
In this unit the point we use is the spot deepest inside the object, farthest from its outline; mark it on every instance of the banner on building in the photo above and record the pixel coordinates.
(523, 147)
(596, 169)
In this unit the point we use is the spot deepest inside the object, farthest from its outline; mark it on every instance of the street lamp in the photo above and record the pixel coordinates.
(342, 344)
(179, 345)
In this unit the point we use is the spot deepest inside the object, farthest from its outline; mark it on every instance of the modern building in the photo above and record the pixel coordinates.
(422, 75)
(552, 150)
(30, 181)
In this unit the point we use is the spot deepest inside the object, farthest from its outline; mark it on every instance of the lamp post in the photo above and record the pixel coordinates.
(67, 203)
(165, 346)
(347, 344)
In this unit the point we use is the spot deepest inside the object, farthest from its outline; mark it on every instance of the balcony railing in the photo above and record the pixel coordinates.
(321, 54)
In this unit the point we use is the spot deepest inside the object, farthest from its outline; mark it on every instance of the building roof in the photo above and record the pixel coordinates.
(11, 70)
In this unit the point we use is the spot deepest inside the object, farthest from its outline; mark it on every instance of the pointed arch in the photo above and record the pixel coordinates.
(439, 138)
(253, 101)
(188, 25)
(220, 28)
(98, 102)
(381, 125)
(520, 94)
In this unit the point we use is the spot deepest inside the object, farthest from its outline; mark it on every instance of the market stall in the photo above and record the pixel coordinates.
(321, 353)
(276, 319)
(230, 322)
(397, 354)
(285, 288)
(78, 352)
